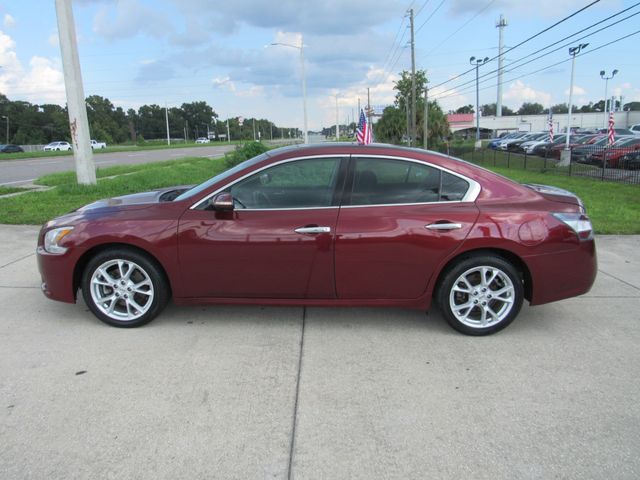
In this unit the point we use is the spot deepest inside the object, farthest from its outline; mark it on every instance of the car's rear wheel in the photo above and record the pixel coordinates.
(124, 288)
(480, 295)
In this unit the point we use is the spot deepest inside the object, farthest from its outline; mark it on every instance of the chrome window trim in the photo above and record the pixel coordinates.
(469, 197)
(199, 202)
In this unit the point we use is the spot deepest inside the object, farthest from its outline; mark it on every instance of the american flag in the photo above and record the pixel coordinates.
(550, 126)
(363, 133)
(612, 134)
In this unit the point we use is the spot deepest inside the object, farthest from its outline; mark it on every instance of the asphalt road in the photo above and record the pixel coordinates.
(254, 393)
(17, 172)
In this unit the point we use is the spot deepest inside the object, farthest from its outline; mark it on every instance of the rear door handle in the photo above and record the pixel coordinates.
(443, 226)
(313, 230)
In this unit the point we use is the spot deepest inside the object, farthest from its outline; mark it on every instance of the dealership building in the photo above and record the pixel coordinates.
(492, 125)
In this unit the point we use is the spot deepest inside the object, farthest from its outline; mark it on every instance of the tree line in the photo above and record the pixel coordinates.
(24, 123)
(392, 126)
(534, 108)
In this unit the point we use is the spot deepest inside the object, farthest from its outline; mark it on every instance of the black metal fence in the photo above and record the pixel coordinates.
(603, 163)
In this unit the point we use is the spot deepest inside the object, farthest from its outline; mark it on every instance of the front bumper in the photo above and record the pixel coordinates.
(57, 273)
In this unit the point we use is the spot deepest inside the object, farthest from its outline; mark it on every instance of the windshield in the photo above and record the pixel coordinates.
(625, 141)
(226, 174)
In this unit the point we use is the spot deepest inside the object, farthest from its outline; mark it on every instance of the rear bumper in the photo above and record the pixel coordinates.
(574, 272)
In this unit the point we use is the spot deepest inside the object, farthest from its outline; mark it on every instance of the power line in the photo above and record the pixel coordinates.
(429, 17)
(556, 43)
(586, 52)
(421, 8)
(478, 13)
(522, 42)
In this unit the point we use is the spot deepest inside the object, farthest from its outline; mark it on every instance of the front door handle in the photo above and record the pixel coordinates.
(313, 230)
(443, 226)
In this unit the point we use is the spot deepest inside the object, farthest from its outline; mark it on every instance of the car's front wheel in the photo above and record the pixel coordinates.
(124, 288)
(480, 295)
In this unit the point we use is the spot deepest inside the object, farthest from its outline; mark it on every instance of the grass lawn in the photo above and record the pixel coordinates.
(7, 190)
(38, 207)
(614, 208)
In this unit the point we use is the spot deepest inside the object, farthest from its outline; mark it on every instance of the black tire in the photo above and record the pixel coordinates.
(143, 284)
(507, 303)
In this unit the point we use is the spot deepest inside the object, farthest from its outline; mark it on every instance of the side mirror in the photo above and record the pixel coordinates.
(223, 202)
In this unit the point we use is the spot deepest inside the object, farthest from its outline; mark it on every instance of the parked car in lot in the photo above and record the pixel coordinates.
(619, 132)
(630, 161)
(504, 144)
(530, 145)
(98, 145)
(337, 224)
(202, 140)
(635, 128)
(10, 149)
(584, 153)
(493, 143)
(614, 153)
(515, 146)
(542, 150)
(57, 146)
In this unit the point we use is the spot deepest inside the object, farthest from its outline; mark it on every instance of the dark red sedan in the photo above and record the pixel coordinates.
(323, 225)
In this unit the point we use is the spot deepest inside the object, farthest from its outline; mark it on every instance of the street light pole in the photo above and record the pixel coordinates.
(606, 85)
(337, 121)
(304, 84)
(477, 62)
(565, 156)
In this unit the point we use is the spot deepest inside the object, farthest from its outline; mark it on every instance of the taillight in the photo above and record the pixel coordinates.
(578, 222)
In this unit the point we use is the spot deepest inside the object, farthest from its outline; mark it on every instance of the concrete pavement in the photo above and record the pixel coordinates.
(250, 392)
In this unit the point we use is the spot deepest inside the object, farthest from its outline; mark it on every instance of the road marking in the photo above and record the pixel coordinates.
(18, 181)
(135, 155)
(107, 161)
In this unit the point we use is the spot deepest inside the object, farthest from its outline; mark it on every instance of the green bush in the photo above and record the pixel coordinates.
(244, 152)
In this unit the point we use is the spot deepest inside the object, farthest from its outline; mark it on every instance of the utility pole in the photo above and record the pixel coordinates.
(406, 108)
(337, 121)
(412, 139)
(254, 129)
(228, 132)
(565, 155)
(78, 122)
(369, 109)
(500, 25)
(166, 116)
(426, 115)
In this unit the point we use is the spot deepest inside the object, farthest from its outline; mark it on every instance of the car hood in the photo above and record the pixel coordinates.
(137, 200)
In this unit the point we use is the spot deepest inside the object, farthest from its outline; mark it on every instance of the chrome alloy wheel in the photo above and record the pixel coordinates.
(121, 289)
(481, 297)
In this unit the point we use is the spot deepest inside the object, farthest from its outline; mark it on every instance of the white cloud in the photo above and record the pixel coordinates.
(577, 91)
(54, 40)
(518, 93)
(41, 82)
(9, 21)
(128, 18)
(224, 83)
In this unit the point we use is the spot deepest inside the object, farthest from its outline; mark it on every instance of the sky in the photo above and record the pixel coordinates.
(167, 52)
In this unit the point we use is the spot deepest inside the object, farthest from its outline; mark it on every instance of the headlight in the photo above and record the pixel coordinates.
(53, 237)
